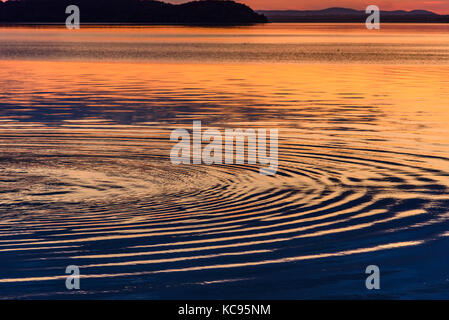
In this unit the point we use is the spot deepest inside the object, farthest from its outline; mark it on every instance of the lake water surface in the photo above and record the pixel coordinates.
(86, 177)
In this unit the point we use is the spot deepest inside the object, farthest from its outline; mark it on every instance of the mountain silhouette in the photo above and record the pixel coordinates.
(129, 11)
(350, 15)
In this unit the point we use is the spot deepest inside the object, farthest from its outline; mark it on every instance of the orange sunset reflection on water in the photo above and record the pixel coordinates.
(86, 177)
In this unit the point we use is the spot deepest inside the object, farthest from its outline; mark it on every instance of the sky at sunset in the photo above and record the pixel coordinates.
(439, 6)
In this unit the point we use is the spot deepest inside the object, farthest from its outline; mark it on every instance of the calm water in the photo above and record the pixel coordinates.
(86, 178)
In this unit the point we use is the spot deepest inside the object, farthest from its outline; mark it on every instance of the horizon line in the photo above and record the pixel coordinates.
(290, 9)
(405, 10)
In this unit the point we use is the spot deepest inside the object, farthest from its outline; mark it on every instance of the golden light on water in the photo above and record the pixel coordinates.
(86, 177)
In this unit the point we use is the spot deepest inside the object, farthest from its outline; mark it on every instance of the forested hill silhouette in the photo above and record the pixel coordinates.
(129, 11)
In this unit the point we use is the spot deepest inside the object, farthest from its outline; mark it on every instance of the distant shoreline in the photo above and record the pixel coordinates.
(137, 25)
(344, 15)
(211, 13)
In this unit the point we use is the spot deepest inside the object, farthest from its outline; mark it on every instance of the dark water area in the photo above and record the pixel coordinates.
(86, 177)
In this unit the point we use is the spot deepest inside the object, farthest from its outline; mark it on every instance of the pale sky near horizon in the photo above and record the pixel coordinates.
(438, 6)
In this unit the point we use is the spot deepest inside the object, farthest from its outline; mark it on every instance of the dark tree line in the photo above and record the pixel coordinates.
(129, 11)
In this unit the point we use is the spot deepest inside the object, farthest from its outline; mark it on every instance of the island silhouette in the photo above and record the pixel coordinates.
(209, 12)
(337, 14)
(130, 11)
